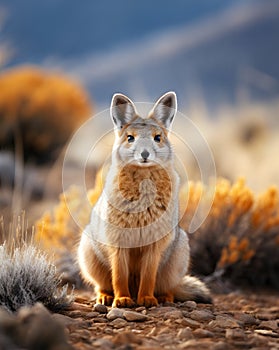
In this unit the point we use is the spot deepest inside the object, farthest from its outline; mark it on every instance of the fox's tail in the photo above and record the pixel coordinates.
(191, 288)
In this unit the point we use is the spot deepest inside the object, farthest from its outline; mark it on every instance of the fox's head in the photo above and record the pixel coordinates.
(143, 141)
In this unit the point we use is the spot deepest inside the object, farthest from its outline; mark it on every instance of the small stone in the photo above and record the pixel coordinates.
(102, 309)
(126, 338)
(235, 334)
(196, 344)
(75, 314)
(153, 332)
(265, 316)
(220, 345)
(91, 314)
(161, 311)
(224, 322)
(192, 305)
(64, 320)
(203, 333)
(119, 323)
(168, 322)
(191, 323)
(115, 313)
(103, 344)
(78, 307)
(140, 309)
(266, 332)
(246, 319)
(273, 325)
(185, 333)
(83, 333)
(134, 316)
(172, 315)
(100, 320)
(163, 330)
(201, 315)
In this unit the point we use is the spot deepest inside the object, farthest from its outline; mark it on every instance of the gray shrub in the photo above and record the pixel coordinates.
(27, 277)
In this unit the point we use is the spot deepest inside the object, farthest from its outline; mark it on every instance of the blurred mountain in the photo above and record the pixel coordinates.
(219, 50)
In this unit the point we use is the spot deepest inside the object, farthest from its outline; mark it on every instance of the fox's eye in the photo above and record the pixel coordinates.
(130, 138)
(157, 138)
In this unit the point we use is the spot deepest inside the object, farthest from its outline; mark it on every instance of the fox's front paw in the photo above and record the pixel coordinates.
(123, 302)
(147, 301)
(105, 299)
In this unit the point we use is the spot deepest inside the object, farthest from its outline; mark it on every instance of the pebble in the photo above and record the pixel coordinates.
(140, 309)
(266, 332)
(246, 319)
(220, 345)
(64, 320)
(185, 333)
(235, 334)
(75, 313)
(153, 332)
(115, 313)
(118, 323)
(201, 315)
(102, 309)
(224, 322)
(172, 315)
(80, 307)
(134, 316)
(265, 316)
(203, 333)
(100, 320)
(163, 330)
(191, 323)
(196, 344)
(126, 337)
(91, 314)
(102, 343)
(192, 305)
(273, 325)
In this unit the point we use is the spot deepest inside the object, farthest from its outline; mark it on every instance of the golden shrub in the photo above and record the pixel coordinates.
(229, 240)
(239, 235)
(39, 111)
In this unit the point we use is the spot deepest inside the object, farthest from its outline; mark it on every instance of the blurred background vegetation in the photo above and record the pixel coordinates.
(60, 63)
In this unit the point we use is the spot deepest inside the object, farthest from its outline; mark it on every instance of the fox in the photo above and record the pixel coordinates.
(133, 250)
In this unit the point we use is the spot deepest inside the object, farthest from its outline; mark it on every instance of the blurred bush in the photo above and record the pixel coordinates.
(38, 112)
(238, 241)
(59, 232)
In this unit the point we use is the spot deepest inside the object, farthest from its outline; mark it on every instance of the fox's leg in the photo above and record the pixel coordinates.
(120, 278)
(148, 271)
(95, 270)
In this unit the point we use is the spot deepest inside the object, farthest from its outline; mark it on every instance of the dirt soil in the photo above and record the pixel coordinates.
(234, 321)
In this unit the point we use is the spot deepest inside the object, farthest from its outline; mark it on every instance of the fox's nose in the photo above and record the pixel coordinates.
(145, 154)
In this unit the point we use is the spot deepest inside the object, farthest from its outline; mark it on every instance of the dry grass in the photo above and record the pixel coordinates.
(27, 276)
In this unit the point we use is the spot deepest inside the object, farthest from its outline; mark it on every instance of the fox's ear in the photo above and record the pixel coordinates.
(122, 110)
(165, 109)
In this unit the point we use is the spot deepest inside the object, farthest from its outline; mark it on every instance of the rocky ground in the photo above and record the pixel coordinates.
(234, 321)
